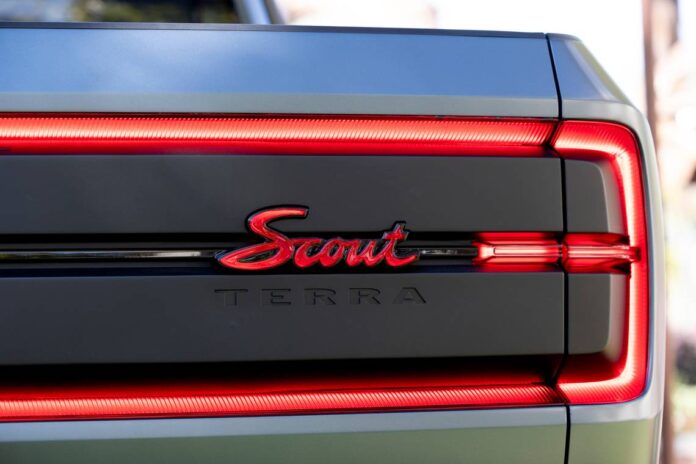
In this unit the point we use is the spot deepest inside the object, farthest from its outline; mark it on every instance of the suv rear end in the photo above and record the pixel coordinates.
(316, 244)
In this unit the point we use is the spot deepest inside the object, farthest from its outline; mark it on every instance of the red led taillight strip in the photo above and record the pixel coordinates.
(575, 253)
(501, 250)
(271, 135)
(373, 136)
(579, 382)
(597, 252)
(615, 143)
(162, 404)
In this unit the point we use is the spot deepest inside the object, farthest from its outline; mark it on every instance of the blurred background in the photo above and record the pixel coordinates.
(647, 46)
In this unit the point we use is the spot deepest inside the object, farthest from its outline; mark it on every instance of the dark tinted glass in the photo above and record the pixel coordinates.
(166, 11)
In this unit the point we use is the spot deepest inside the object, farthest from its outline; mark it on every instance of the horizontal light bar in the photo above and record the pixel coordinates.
(577, 252)
(304, 135)
(163, 403)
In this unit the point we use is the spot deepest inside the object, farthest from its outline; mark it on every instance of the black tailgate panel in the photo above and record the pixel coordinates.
(280, 317)
(115, 312)
(215, 194)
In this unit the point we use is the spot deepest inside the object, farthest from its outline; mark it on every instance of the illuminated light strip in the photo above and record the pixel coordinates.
(619, 252)
(595, 253)
(304, 135)
(577, 252)
(151, 404)
(352, 136)
(516, 248)
(598, 258)
(613, 142)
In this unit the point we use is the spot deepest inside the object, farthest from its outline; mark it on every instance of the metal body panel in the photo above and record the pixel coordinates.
(507, 435)
(252, 69)
(630, 442)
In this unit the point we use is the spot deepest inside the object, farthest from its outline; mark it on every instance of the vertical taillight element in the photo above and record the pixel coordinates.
(523, 251)
(616, 144)
(582, 380)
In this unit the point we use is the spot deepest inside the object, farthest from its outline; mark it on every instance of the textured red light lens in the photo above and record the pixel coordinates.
(272, 135)
(257, 404)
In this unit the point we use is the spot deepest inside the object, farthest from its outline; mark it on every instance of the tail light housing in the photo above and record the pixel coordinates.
(618, 145)
(577, 382)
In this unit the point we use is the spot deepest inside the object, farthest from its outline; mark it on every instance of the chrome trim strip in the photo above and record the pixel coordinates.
(437, 252)
(132, 255)
(50, 255)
